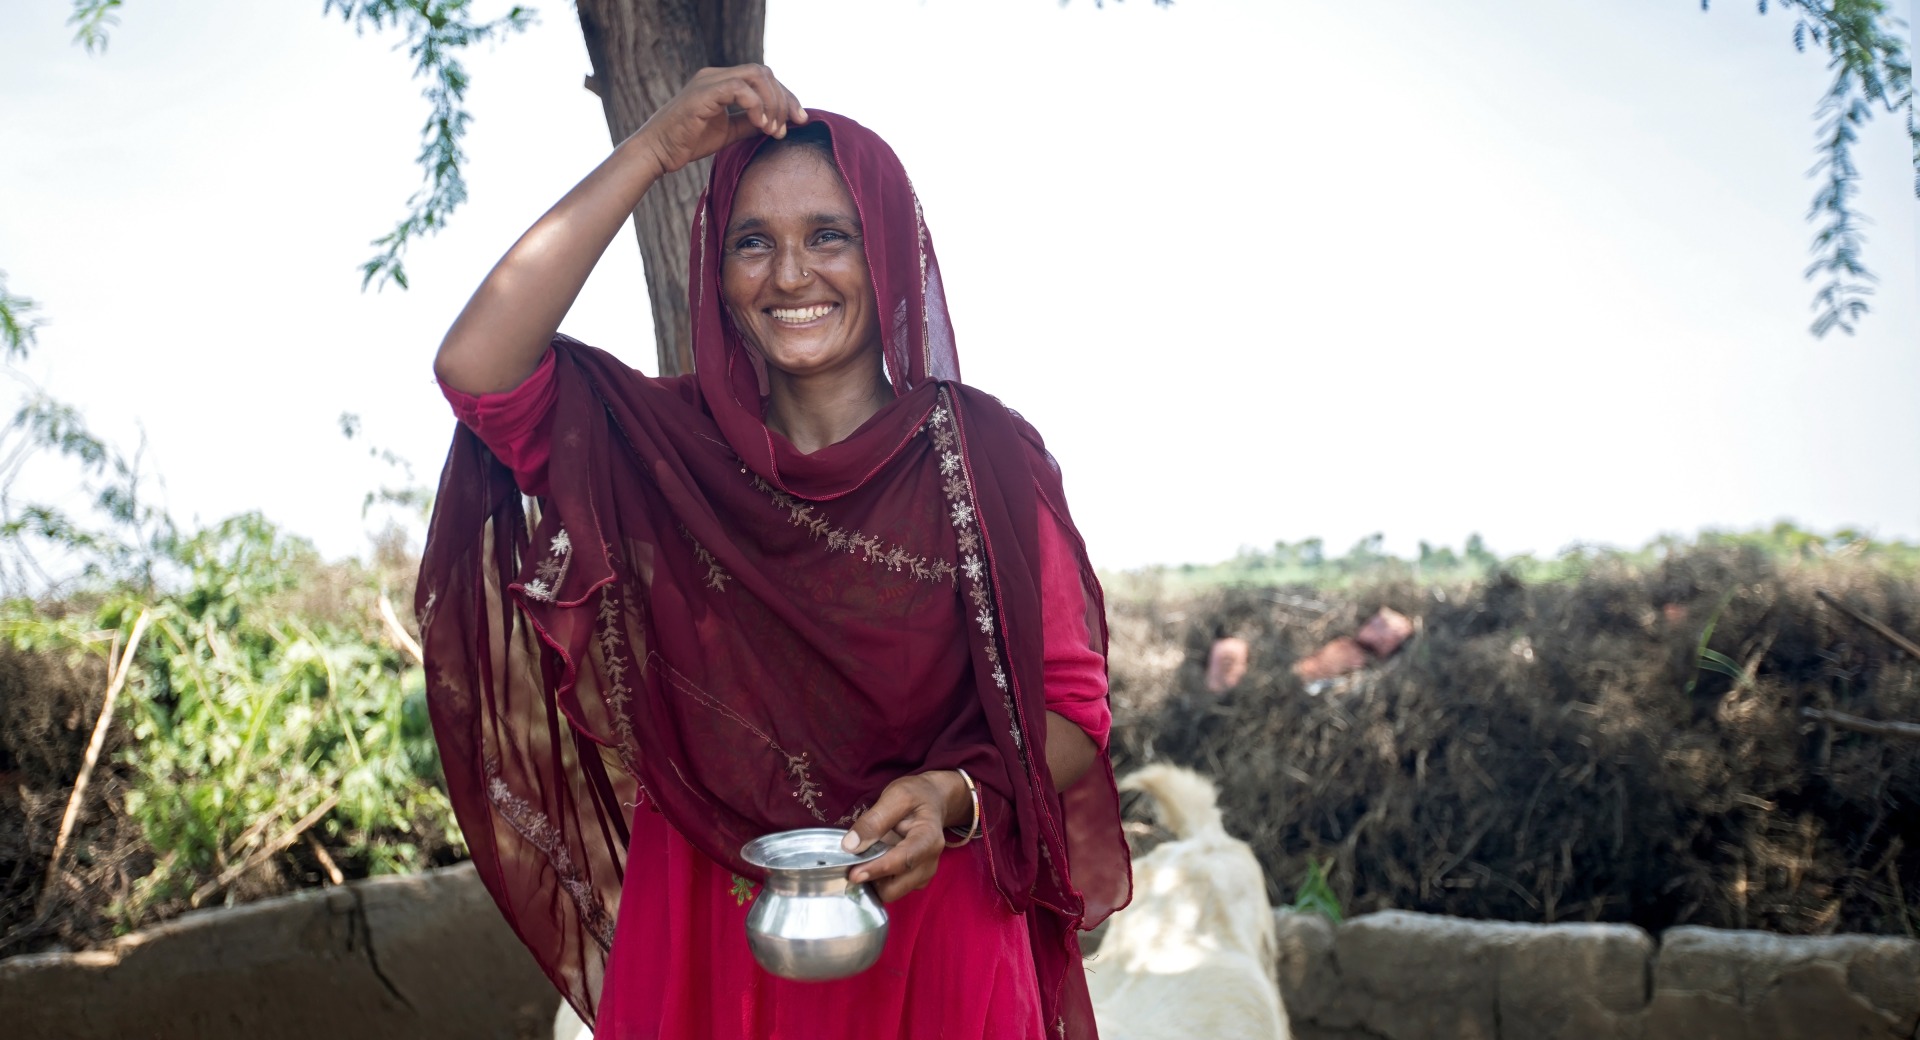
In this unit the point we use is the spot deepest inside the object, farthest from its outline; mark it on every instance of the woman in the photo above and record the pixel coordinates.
(819, 582)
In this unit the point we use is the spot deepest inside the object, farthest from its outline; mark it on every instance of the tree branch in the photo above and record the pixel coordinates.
(90, 21)
(19, 333)
(99, 740)
(266, 852)
(1886, 631)
(1841, 720)
(398, 632)
(437, 30)
(1870, 67)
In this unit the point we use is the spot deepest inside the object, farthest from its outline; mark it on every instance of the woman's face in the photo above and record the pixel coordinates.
(793, 268)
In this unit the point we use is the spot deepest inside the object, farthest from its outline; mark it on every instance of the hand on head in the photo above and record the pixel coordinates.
(911, 815)
(716, 108)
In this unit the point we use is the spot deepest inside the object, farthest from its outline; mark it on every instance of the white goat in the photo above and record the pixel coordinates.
(1193, 956)
(567, 1025)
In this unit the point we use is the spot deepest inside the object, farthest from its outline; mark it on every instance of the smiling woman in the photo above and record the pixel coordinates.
(793, 273)
(818, 582)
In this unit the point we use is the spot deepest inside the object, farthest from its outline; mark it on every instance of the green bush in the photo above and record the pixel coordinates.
(264, 686)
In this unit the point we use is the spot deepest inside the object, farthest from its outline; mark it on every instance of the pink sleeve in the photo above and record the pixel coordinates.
(1074, 673)
(516, 425)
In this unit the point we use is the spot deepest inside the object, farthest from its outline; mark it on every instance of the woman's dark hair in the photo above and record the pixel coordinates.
(811, 135)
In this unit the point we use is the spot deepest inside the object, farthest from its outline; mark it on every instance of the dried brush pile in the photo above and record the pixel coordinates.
(48, 704)
(273, 734)
(1552, 751)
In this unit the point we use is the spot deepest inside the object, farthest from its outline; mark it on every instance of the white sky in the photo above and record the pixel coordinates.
(1258, 271)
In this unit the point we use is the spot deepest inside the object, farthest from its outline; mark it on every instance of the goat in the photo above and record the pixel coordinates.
(1194, 954)
(567, 1025)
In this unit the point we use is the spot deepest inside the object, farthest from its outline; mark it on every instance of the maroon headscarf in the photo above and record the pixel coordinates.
(701, 620)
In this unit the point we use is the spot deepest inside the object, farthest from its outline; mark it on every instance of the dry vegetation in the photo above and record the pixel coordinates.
(1546, 748)
(47, 707)
(1549, 749)
(272, 735)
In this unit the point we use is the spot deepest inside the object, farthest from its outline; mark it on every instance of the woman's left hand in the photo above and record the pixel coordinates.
(914, 811)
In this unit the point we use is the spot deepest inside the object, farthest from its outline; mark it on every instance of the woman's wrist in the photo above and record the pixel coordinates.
(972, 828)
(956, 800)
(641, 154)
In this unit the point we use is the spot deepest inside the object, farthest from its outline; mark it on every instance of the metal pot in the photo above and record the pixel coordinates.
(809, 922)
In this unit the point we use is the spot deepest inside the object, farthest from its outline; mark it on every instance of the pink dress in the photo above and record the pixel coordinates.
(958, 964)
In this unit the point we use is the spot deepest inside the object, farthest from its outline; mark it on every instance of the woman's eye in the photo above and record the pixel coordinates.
(749, 243)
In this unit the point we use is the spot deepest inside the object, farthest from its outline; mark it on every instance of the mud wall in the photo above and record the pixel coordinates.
(428, 957)
(1404, 976)
(419, 957)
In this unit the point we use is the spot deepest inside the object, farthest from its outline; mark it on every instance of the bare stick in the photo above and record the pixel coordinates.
(326, 861)
(118, 678)
(267, 851)
(1840, 720)
(398, 633)
(246, 837)
(1872, 622)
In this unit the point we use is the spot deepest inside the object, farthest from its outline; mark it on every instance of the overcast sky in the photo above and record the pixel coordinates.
(1258, 271)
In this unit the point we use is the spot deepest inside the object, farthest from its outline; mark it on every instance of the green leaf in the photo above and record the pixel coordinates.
(19, 333)
(91, 19)
(436, 32)
(1871, 67)
(1715, 661)
(1316, 894)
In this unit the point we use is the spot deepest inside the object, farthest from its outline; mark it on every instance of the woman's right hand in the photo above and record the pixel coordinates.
(697, 122)
(499, 337)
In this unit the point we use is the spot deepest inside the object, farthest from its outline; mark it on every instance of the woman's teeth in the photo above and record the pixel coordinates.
(800, 315)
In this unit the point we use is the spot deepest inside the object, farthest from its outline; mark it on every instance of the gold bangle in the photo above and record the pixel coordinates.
(973, 793)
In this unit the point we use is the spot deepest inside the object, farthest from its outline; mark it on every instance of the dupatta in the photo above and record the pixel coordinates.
(701, 621)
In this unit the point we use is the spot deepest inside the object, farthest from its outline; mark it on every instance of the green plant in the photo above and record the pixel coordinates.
(248, 715)
(1316, 895)
(18, 329)
(1871, 69)
(265, 691)
(1708, 659)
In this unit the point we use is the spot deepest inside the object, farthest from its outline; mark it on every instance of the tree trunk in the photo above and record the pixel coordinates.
(643, 51)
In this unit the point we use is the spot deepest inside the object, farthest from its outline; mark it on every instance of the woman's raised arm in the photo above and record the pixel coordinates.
(506, 326)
